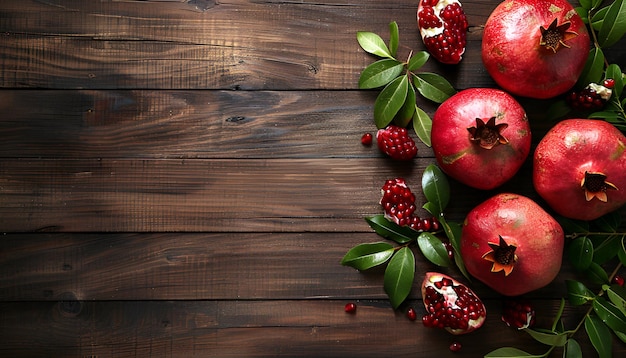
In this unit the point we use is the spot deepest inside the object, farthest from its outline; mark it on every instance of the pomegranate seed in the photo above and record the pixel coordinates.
(618, 280)
(350, 307)
(411, 314)
(455, 346)
(366, 139)
(608, 83)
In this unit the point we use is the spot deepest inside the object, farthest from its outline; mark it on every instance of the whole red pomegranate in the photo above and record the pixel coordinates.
(451, 305)
(481, 137)
(511, 244)
(579, 168)
(535, 48)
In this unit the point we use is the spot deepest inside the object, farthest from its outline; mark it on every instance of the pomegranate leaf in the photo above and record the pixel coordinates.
(436, 189)
(380, 73)
(597, 274)
(609, 314)
(399, 275)
(433, 86)
(617, 295)
(389, 101)
(614, 72)
(405, 114)
(614, 24)
(394, 38)
(418, 60)
(621, 254)
(422, 125)
(510, 352)
(572, 349)
(586, 4)
(599, 335)
(390, 230)
(594, 68)
(597, 18)
(577, 293)
(609, 222)
(572, 226)
(433, 249)
(365, 256)
(372, 43)
(453, 232)
(605, 247)
(580, 253)
(548, 338)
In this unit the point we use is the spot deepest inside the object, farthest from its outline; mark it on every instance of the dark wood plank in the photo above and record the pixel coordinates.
(187, 124)
(206, 44)
(221, 195)
(300, 328)
(178, 266)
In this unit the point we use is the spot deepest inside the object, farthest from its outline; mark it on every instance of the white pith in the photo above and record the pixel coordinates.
(605, 93)
(434, 31)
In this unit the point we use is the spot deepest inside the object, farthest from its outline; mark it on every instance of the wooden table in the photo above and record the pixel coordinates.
(182, 178)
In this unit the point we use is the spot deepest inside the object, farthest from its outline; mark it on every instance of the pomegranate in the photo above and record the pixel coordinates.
(443, 28)
(481, 137)
(579, 168)
(511, 244)
(451, 305)
(535, 48)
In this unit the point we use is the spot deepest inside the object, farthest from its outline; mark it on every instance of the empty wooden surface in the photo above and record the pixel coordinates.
(181, 179)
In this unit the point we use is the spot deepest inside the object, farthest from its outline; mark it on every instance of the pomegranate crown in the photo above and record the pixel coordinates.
(489, 134)
(502, 255)
(554, 37)
(595, 186)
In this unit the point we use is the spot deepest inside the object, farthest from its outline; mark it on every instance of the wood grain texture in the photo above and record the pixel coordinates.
(285, 328)
(181, 178)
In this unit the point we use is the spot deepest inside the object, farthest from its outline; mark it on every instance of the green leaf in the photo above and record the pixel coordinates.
(586, 4)
(406, 113)
(394, 38)
(621, 254)
(418, 60)
(365, 256)
(609, 314)
(609, 222)
(433, 86)
(605, 248)
(594, 68)
(614, 72)
(580, 253)
(380, 73)
(621, 336)
(433, 249)
(558, 109)
(390, 230)
(510, 352)
(614, 25)
(372, 43)
(617, 296)
(572, 226)
(436, 188)
(453, 231)
(572, 349)
(422, 125)
(389, 101)
(597, 19)
(550, 339)
(599, 335)
(398, 278)
(597, 274)
(577, 293)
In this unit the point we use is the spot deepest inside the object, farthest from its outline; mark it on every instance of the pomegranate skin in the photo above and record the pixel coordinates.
(521, 222)
(512, 54)
(568, 150)
(465, 160)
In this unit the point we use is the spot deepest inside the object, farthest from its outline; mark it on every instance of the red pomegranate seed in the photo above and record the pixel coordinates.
(367, 139)
(350, 307)
(618, 280)
(411, 314)
(608, 83)
(455, 346)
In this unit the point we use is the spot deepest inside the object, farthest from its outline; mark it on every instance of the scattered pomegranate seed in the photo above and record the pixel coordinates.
(618, 280)
(367, 139)
(609, 83)
(411, 314)
(350, 307)
(455, 346)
